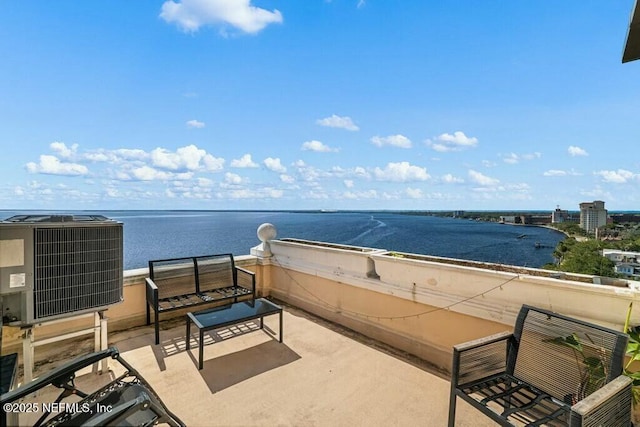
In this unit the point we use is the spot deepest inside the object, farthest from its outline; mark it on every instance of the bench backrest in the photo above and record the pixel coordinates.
(176, 276)
(564, 357)
(215, 271)
(181, 276)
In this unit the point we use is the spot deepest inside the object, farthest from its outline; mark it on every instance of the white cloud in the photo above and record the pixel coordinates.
(287, 179)
(190, 15)
(189, 158)
(195, 124)
(244, 162)
(184, 158)
(318, 147)
(51, 165)
(456, 142)
(147, 173)
(560, 172)
(450, 179)
(481, 179)
(213, 164)
(274, 165)
(263, 193)
(348, 183)
(204, 182)
(555, 172)
(393, 140)
(513, 158)
(131, 154)
(532, 156)
(62, 150)
(401, 172)
(361, 172)
(368, 194)
(576, 151)
(414, 193)
(338, 122)
(232, 178)
(620, 176)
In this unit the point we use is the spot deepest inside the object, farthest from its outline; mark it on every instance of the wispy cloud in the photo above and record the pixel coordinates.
(318, 147)
(414, 193)
(334, 121)
(513, 158)
(451, 179)
(576, 151)
(195, 124)
(482, 179)
(448, 142)
(392, 140)
(190, 15)
(619, 176)
(560, 172)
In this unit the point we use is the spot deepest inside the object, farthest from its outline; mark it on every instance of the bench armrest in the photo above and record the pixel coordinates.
(474, 344)
(480, 358)
(608, 403)
(152, 292)
(247, 279)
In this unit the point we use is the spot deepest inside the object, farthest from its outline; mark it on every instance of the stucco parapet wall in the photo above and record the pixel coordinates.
(498, 295)
(492, 294)
(327, 260)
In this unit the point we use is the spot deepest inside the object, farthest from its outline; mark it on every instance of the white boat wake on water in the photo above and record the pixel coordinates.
(367, 237)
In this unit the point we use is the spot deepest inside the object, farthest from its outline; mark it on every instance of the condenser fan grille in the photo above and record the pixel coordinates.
(76, 268)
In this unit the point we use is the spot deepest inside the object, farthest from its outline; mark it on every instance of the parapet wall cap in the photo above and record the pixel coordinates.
(267, 232)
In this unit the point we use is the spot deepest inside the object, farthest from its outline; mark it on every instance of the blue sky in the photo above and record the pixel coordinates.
(317, 104)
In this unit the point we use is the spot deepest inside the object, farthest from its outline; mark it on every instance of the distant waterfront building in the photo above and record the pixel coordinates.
(625, 217)
(559, 215)
(627, 263)
(592, 215)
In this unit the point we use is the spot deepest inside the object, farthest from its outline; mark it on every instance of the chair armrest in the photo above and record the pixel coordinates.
(479, 358)
(58, 375)
(610, 402)
(152, 292)
(247, 279)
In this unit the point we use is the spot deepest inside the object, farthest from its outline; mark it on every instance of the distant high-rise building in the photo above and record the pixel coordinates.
(559, 215)
(592, 215)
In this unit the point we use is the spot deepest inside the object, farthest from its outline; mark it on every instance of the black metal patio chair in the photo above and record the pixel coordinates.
(128, 400)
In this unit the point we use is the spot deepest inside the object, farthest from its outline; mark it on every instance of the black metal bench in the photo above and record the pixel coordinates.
(127, 400)
(552, 370)
(179, 283)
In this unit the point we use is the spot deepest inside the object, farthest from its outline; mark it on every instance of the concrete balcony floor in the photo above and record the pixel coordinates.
(322, 375)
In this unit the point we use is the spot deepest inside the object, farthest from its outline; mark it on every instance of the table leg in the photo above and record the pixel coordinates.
(281, 326)
(188, 346)
(262, 322)
(201, 349)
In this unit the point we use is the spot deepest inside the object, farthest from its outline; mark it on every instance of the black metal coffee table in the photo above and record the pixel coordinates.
(227, 315)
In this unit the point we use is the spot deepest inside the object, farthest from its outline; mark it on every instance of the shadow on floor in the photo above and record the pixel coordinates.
(230, 369)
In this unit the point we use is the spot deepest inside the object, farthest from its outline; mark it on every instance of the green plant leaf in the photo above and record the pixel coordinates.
(571, 341)
(635, 376)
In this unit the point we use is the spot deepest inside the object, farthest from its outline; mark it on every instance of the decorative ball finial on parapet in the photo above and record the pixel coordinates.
(266, 233)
